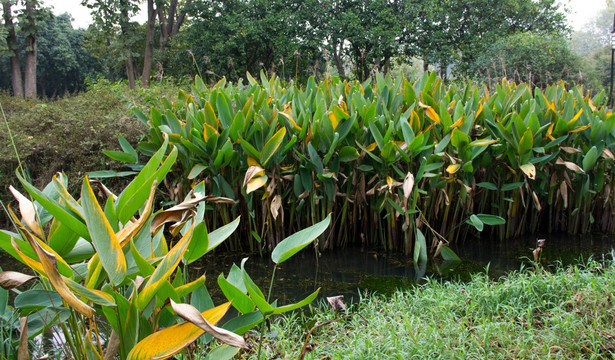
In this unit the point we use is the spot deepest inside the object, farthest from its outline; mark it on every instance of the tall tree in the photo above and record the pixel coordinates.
(108, 16)
(29, 27)
(11, 40)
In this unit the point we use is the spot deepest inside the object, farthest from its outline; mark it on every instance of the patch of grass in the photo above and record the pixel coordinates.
(567, 314)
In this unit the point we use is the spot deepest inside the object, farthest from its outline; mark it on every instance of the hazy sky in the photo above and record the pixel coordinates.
(582, 11)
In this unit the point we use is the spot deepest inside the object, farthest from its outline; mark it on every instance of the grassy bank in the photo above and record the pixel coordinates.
(68, 134)
(567, 314)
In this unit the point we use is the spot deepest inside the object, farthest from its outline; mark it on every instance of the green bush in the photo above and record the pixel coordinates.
(537, 59)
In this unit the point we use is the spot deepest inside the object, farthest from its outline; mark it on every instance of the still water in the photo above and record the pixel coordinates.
(354, 271)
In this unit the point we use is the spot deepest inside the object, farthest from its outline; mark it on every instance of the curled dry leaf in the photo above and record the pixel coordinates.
(408, 185)
(540, 242)
(50, 267)
(253, 171)
(276, 205)
(570, 165)
(22, 351)
(219, 200)
(28, 212)
(191, 314)
(337, 303)
(13, 279)
(113, 346)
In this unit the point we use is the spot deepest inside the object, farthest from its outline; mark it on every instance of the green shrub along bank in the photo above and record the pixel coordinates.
(525, 315)
(68, 134)
(403, 166)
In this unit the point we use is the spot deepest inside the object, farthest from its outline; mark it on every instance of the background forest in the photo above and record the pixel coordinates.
(523, 40)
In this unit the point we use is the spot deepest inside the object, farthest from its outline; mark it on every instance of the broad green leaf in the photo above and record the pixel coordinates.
(589, 160)
(420, 247)
(240, 300)
(63, 214)
(459, 139)
(491, 219)
(165, 268)
(448, 254)
(121, 156)
(476, 222)
(291, 307)
(294, 243)
(348, 153)
(103, 238)
(512, 186)
(272, 146)
(526, 143)
(169, 341)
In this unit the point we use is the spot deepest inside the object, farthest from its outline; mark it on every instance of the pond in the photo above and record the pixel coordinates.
(354, 271)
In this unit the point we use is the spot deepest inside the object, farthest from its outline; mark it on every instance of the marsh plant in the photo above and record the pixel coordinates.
(111, 276)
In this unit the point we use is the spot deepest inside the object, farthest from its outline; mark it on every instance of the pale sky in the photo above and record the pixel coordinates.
(582, 11)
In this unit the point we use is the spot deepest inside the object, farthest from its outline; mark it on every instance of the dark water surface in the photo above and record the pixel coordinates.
(354, 271)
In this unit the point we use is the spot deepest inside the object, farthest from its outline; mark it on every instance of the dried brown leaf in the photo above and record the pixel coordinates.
(276, 205)
(191, 314)
(22, 351)
(13, 279)
(28, 213)
(337, 302)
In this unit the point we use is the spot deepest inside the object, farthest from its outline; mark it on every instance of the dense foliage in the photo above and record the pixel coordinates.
(536, 59)
(293, 39)
(394, 160)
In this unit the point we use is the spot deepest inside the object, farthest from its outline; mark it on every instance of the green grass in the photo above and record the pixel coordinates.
(568, 314)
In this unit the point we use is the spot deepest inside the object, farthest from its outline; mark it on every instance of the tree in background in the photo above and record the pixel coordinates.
(537, 59)
(27, 19)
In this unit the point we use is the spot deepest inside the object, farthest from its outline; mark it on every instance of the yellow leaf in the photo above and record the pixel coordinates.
(453, 168)
(50, 265)
(371, 147)
(458, 123)
(483, 142)
(478, 112)
(550, 131)
(433, 115)
(575, 118)
(209, 131)
(127, 233)
(290, 118)
(591, 105)
(580, 128)
(334, 121)
(252, 162)
(165, 268)
(256, 183)
(168, 342)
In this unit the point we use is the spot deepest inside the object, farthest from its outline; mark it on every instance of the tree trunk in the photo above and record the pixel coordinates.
(30, 65)
(130, 72)
(164, 33)
(337, 56)
(148, 57)
(11, 41)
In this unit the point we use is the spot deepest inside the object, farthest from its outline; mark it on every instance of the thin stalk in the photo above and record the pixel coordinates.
(8, 128)
(262, 332)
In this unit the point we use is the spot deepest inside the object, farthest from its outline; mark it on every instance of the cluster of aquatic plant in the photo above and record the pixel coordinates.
(567, 313)
(126, 263)
(400, 164)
